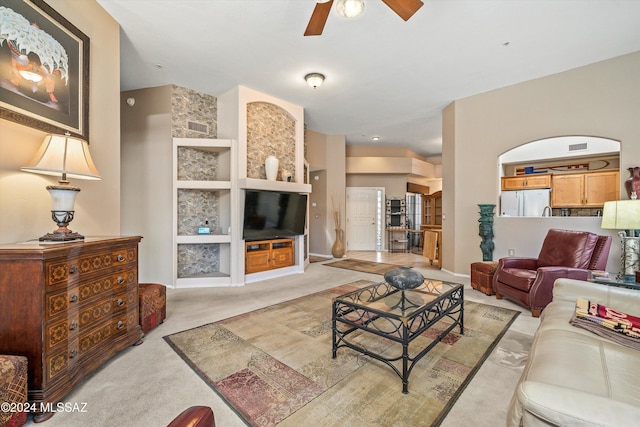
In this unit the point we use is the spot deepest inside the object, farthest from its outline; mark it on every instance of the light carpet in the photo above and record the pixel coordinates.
(273, 366)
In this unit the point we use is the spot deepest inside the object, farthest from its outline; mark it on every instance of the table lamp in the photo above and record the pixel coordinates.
(624, 215)
(67, 157)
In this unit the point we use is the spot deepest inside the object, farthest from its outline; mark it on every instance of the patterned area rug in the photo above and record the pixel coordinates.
(273, 366)
(364, 266)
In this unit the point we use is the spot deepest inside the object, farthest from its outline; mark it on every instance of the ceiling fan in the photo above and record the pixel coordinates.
(404, 8)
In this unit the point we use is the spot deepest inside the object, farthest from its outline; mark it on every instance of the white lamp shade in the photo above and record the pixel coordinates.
(63, 155)
(62, 197)
(621, 215)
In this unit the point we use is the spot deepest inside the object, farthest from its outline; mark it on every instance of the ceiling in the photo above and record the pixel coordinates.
(384, 77)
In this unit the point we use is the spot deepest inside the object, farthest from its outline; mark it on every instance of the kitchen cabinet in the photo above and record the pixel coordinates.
(432, 209)
(590, 189)
(526, 182)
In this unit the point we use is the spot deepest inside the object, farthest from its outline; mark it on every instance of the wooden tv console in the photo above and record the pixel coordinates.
(263, 255)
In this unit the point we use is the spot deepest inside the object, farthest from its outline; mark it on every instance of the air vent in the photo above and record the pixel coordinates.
(198, 127)
(578, 147)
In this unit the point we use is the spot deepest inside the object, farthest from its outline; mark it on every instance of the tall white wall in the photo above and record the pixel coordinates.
(326, 157)
(147, 162)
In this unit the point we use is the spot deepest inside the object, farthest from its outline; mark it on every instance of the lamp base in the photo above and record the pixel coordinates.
(57, 236)
(62, 234)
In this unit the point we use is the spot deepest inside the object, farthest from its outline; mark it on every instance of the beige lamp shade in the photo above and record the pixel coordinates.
(621, 215)
(63, 155)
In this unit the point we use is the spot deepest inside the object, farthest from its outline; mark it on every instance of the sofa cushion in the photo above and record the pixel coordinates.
(556, 316)
(566, 362)
(517, 278)
(567, 248)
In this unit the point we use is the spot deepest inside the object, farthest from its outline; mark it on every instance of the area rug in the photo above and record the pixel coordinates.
(363, 266)
(273, 366)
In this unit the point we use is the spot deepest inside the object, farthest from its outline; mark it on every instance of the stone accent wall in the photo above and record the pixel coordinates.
(194, 208)
(197, 165)
(306, 144)
(271, 131)
(189, 105)
(198, 260)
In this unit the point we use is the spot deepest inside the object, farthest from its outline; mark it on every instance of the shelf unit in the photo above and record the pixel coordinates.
(396, 212)
(396, 221)
(203, 190)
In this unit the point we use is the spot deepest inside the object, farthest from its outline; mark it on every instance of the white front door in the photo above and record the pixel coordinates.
(364, 218)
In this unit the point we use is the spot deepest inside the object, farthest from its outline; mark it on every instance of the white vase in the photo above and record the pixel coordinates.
(271, 167)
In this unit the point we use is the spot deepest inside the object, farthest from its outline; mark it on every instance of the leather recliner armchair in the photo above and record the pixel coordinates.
(564, 253)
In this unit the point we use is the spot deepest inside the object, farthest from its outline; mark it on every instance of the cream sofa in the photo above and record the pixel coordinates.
(574, 377)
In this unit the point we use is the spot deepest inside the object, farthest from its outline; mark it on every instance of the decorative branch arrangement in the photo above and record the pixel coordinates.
(336, 214)
(337, 250)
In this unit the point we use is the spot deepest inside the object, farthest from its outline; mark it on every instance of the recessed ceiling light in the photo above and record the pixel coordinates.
(375, 138)
(158, 66)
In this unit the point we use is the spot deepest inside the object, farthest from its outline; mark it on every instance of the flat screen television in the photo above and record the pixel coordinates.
(271, 214)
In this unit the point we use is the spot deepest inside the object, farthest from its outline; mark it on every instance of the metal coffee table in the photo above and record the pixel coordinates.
(400, 316)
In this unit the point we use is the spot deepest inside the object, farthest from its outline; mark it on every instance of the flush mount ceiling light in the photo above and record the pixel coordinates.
(375, 138)
(314, 79)
(350, 8)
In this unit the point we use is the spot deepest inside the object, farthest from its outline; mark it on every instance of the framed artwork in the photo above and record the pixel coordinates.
(44, 69)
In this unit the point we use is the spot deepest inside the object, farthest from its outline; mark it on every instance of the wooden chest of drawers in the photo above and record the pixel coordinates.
(68, 307)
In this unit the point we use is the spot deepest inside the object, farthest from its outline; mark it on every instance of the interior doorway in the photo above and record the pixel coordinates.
(364, 218)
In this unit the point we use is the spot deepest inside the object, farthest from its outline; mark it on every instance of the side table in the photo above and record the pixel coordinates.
(482, 276)
(612, 281)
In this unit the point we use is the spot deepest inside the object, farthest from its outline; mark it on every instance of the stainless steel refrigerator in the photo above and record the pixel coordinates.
(524, 202)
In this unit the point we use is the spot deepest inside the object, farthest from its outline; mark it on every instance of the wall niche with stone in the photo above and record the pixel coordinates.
(271, 131)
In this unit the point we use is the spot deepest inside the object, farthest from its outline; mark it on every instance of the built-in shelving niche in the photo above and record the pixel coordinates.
(202, 198)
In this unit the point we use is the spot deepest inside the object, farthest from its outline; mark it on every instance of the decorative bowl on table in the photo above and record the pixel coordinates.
(404, 278)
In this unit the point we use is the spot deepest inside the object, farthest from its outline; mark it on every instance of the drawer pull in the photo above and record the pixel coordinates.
(73, 269)
(120, 324)
(120, 280)
(74, 325)
(73, 298)
(120, 302)
(73, 353)
(120, 257)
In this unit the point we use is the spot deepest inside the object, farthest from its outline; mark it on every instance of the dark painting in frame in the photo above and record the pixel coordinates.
(44, 69)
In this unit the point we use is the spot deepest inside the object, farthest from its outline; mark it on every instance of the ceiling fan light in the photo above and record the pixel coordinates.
(314, 79)
(350, 8)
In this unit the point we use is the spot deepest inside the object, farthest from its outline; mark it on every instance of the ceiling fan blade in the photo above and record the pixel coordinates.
(404, 8)
(318, 19)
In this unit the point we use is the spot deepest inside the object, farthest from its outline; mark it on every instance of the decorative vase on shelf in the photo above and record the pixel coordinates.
(337, 250)
(632, 184)
(271, 167)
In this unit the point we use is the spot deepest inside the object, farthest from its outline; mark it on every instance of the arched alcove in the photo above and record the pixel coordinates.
(271, 131)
